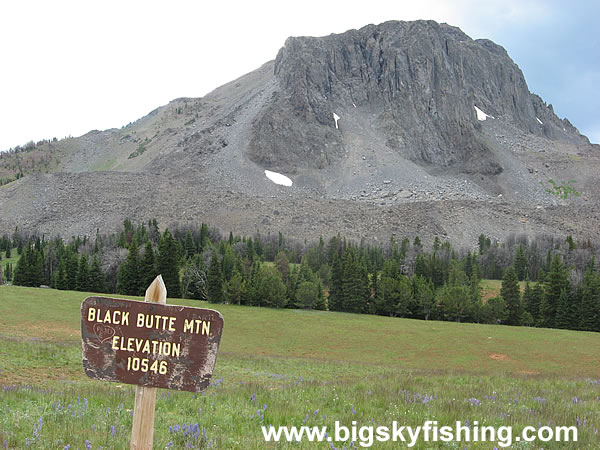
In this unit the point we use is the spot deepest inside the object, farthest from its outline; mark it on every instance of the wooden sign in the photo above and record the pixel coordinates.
(149, 344)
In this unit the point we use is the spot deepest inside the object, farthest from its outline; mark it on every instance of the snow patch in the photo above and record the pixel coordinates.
(481, 115)
(336, 118)
(538, 119)
(353, 105)
(278, 178)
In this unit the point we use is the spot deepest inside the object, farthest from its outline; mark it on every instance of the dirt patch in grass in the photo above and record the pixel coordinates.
(38, 376)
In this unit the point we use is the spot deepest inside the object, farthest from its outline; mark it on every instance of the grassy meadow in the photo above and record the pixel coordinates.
(296, 367)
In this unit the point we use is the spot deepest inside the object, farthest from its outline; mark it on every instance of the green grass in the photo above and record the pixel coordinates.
(306, 368)
(14, 257)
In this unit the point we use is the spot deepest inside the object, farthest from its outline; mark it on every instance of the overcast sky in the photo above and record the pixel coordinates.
(68, 67)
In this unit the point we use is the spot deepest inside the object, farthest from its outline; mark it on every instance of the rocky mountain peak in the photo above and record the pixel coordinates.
(419, 83)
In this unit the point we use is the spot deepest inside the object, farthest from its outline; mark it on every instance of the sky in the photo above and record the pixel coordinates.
(68, 67)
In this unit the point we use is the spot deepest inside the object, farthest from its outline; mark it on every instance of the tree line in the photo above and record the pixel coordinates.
(398, 279)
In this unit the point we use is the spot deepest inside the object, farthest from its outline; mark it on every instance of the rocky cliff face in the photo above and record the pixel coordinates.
(419, 80)
(380, 130)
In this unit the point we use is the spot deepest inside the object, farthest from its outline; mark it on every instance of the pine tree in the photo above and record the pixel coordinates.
(8, 272)
(82, 280)
(511, 294)
(235, 289)
(228, 262)
(589, 316)
(30, 268)
(336, 289)
(71, 267)
(60, 276)
(8, 254)
(20, 277)
(521, 263)
(494, 310)
(355, 284)
(96, 276)
(167, 264)
(283, 265)
(147, 266)
(214, 280)
(423, 294)
(307, 295)
(454, 301)
(129, 280)
(556, 281)
(562, 319)
(203, 237)
(189, 246)
(270, 288)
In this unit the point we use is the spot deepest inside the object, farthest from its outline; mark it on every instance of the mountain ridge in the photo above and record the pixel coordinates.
(407, 137)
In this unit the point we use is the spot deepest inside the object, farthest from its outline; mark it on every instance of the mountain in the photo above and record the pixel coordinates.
(407, 128)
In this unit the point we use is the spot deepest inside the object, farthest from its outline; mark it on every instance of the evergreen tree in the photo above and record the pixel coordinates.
(167, 264)
(283, 265)
(30, 268)
(307, 295)
(468, 266)
(556, 281)
(417, 243)
(203, 237)
(214, 280)
(147, 267)
(252, 285)
(96, 276)
(394, 296)
(589, 315)
(521, 263)
(7, 254)
(20, 277)
(250, 253)
(153, 233)
(475, 308)
(494, 310)
(423, 294)
(354, 283)
(8, 272)
(189, 246)
(336, 289)
(83, 280)
(60, 276)
(235, 289)
(511, 294)
(320, 304)
(454, 301)
(562, 319)
(270, 288)
(129, 278)
(71, 267)
(228, 262)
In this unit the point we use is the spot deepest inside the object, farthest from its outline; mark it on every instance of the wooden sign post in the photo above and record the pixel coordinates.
(149, 344)
(142, 430)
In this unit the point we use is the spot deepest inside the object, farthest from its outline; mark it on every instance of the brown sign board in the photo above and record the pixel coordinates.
(149, 344)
